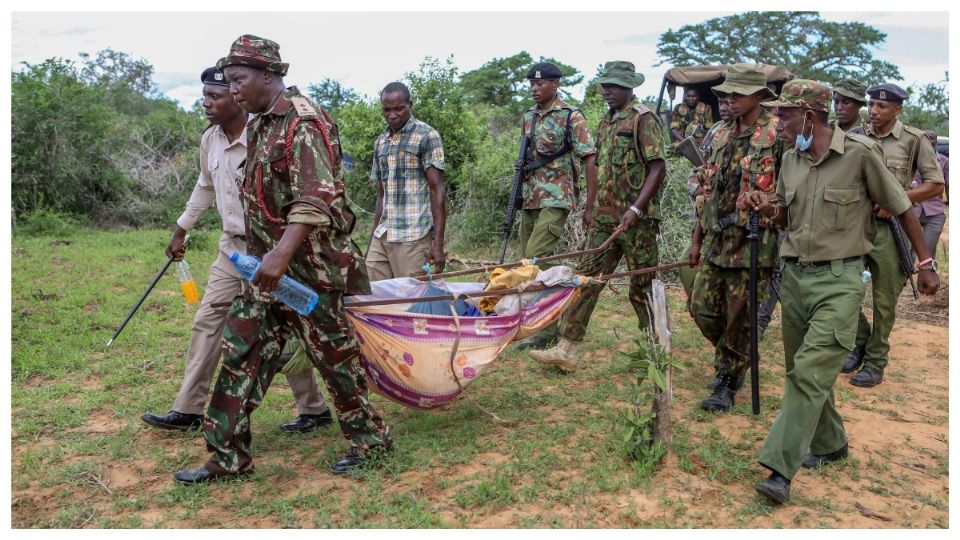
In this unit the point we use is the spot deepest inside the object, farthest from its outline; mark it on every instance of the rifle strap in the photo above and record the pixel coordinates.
(547, 158)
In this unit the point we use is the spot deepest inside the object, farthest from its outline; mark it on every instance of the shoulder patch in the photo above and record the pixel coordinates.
(860, 138)
(914, 131)
(303, 107)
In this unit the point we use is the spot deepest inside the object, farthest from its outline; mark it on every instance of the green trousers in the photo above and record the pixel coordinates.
(639, 246)
(818, 305)
(540, 231)
(888, 281)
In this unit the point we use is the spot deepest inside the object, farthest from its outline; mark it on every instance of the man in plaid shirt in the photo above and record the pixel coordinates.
(411, 213)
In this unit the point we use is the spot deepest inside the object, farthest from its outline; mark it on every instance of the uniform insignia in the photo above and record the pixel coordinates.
(883, 95)
(536, 75)
(218, 76)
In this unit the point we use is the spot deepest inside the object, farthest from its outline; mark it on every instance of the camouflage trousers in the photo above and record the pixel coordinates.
(254, 337)
(639, 246)
(719, 304)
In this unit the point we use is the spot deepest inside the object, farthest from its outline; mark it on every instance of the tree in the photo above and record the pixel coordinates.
(331, 95)
(502, 82)
(929, 107)
(801, 41)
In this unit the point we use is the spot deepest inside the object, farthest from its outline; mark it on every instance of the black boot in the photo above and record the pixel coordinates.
(776, 488)
(867, 376)
(174, 420)
(716, 380)
(853, 361)
(812, 461)
(306, 423)
(722, 397)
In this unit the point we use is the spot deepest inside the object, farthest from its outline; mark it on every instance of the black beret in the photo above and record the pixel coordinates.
(887, 92)
(212, 75)
(544, 71)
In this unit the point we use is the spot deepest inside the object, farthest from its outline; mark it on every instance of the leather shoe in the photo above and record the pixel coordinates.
(722, 397)
(776, 488)
(201, 476)
(867, 376)
(535, 342)
(356, 459)
(716, 380)
(305, 423)
(174, 420)
(853, 361)
(812, 461)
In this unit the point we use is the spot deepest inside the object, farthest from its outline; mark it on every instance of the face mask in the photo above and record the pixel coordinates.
(803, 143)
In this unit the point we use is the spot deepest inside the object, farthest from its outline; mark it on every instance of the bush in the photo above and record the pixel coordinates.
(43, 222)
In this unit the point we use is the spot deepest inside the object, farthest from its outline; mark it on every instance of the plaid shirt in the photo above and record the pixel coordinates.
(400, 163)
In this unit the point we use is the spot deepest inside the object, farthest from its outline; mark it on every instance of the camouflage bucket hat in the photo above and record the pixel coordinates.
(803, 93)
(744, 79)
(620, 73)
(253, 51)
(851, 88)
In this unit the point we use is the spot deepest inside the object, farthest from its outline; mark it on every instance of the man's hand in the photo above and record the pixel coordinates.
(881, 213)
(437, 257)
(759, 202)
(272, 268)
(928, 282)
(629, 219)
(694, 259)
(176, 249)
(588, 213)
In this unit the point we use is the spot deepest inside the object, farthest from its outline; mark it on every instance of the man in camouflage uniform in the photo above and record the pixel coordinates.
(905, 152)
(631, 171)
(743, 157)
(691, 117)
(848, 99)
(298, 222)
(829, 183)
(559, 139)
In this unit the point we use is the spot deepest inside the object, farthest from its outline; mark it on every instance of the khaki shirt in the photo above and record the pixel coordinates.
(218, 181)
(905, 154)
(829, 203)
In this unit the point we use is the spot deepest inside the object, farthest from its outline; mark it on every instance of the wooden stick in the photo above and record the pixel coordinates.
(869, 513)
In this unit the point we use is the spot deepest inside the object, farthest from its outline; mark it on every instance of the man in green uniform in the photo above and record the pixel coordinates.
(691, 117)
(829, 184)
(631, 171)
(298, 222)
(905, 152)
(559, 140)
(743, 157)
(848, 99)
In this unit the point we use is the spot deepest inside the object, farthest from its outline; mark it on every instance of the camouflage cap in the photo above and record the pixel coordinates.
(257, 52)
(746, 80)
(620, 73)
(804, 93)
(851, 88)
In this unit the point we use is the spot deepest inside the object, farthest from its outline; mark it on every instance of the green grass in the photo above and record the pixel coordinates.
(525, 446)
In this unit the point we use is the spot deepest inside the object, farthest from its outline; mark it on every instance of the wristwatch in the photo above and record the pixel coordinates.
(929, 264)
(636, 211)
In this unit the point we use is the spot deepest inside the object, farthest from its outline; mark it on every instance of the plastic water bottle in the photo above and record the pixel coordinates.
(187, 283)
(291, 292)
(867, 277)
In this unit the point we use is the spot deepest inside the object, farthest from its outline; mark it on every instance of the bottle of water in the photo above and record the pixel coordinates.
(867, 277)
(289, 291)
(187, 283)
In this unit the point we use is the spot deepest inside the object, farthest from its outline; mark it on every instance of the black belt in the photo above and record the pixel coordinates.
(797, 262)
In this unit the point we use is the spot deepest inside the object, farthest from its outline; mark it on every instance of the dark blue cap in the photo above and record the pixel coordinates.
(887, 92)
(212, 75)
(544, 71)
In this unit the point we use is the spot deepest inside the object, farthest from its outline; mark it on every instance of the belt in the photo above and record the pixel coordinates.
(796, 261)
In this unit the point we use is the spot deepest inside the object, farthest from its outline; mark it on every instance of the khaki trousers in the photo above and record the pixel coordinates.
(388, 260)
(203, 353)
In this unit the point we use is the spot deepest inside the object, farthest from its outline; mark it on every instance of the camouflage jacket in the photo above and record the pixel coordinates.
(735, 165)
(293, 156)
(626, 141)
(554, 184)
(696, 121)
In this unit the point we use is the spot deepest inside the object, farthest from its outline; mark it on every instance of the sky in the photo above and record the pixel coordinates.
(366, 50)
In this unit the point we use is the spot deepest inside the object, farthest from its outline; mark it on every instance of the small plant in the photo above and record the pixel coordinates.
(649, 361)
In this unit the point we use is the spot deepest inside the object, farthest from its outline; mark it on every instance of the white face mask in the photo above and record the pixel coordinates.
(803, 143)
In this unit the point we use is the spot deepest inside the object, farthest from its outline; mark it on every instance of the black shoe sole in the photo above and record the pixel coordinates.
(305, 430)
(771, 495)
(171, 427)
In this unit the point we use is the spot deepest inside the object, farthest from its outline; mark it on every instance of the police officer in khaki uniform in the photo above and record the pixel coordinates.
(905, 151)
(829, 184)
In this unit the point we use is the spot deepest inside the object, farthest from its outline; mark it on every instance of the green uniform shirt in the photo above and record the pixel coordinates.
(553, 184)
(627, 140)
(905, 153)
(696, 121)
(829, 203)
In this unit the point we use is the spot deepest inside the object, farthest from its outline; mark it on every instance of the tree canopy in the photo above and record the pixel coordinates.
(801, 41)
(502, 82)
